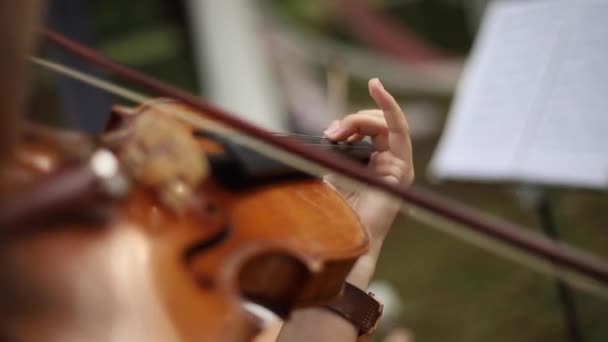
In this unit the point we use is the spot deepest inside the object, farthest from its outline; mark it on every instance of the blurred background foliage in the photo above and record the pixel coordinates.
(450, 291)
(443, 23)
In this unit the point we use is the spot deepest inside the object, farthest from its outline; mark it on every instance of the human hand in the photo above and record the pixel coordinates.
(392, 161)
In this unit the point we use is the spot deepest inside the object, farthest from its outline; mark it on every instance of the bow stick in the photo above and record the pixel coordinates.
(555, 253)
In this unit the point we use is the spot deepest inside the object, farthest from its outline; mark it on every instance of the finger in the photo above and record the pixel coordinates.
(358, 123)
(332, 127)
(371, 112)
(365, 125)
(355, 138)
(385, 159)
(391, 174)
(386, 164)
(386, 168)
(392, 111)
(398, 131)
(374, 113)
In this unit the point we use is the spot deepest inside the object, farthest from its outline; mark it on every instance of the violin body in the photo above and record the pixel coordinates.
(173, 258)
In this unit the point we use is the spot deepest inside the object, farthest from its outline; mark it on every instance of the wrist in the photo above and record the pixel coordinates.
(357, 306)
(363, 271)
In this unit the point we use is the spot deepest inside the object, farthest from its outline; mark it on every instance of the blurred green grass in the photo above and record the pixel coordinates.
(454, 291)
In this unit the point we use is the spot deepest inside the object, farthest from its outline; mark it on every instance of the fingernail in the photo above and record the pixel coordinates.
(333, 128)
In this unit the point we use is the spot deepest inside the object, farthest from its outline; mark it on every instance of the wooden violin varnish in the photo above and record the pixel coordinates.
(145, 241)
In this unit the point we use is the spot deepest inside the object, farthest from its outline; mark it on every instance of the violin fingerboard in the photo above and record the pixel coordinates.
(241, 167)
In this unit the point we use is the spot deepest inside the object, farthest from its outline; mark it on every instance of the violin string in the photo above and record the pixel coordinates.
(321, 141)
(288, 134)
(336, 146)
(432, 220)
(301, 137)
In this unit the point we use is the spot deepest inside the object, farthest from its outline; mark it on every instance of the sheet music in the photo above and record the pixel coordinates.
(532, 105)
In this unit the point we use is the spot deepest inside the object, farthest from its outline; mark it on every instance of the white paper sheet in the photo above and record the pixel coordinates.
(533, 102)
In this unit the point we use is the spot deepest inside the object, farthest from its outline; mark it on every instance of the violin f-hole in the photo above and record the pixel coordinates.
(274, 280)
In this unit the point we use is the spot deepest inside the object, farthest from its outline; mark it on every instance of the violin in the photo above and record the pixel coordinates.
(137, 249)
(191, 224)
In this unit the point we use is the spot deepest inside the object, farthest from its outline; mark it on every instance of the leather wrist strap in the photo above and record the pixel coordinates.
(358, 307)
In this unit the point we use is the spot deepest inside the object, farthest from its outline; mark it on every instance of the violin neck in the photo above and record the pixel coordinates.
(241, 167)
